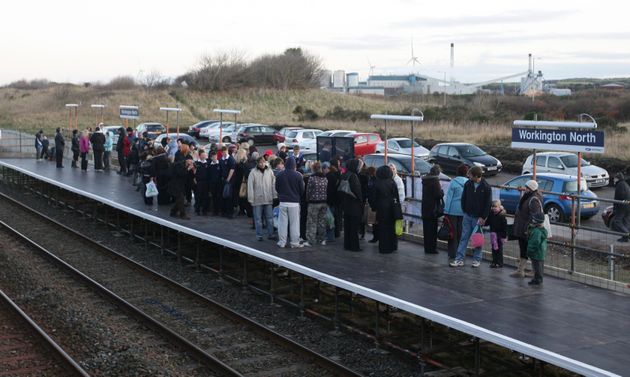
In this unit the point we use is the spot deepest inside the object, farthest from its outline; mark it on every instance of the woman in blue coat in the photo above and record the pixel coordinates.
(453, 209)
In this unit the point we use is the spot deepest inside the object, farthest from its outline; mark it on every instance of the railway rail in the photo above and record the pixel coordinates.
(219, 337)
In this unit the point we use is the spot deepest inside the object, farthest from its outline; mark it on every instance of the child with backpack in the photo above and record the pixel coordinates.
(498, 232)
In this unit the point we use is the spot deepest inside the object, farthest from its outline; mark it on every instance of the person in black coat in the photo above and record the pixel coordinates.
(432, 206)
(352, 205)
(177, 184)
(74, 147)
(161, 172)
(383, 200)
(621, 220)
(202, 185)
(214, 181)
(335, 199)
(120, 148)
(98, 147)
(498, 232)
(59, 146)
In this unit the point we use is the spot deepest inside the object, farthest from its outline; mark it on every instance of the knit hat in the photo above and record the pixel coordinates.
(532, 185)
(325, 165)
(268, 152)
(538, 218)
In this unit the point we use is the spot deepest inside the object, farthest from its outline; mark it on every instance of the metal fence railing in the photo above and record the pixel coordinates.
(588, 254)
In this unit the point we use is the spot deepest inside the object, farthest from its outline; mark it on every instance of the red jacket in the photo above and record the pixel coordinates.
(126, 146)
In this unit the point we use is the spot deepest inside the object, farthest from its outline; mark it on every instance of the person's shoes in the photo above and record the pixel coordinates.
(281, 245)
(431, 252)
(184, 217)
(306, 244)
(457, 263)
(297, 246)
(259, 238)
(494, 265)
(362, 236)
(476, 264)
(323, 243)
(535, 282)
(272, 238)
(373, 240)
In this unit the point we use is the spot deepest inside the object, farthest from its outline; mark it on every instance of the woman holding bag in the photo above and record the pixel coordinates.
(453, 209)
(432, 208)
(385, 201)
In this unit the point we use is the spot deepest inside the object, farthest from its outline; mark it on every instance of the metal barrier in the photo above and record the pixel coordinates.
(577, 252)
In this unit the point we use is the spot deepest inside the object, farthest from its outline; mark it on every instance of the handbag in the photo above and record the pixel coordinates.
(510, 233)
(439, 208)
(446, 231)
(227, 191)
(152, 190)
(242, 191)
(546, 222)
(477, 240)
(398, 227)
(397, 210)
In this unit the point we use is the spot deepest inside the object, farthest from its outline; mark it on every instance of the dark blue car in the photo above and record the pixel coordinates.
(558, 207)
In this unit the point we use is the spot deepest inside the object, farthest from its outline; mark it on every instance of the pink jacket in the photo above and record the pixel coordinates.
(84, 144)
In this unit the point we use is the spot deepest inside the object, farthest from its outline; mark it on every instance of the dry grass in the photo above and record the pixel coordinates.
(30, 110)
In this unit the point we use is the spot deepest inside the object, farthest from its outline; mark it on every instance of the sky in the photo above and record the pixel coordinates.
(89, 41)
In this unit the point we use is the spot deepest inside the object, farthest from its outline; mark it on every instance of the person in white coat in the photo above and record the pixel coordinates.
(261, 191)
(399, 183)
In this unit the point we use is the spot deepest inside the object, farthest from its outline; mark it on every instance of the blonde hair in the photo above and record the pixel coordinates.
(184, 148)
(241, 155)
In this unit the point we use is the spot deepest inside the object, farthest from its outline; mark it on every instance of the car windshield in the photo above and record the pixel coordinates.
(470, 151)
(292, 134)
(571, 186)
(406, 143)
(571, 160)
(421, 165)
(154, 127)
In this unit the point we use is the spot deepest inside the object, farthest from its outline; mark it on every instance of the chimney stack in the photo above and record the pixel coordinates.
(452, 55)
(530, 63)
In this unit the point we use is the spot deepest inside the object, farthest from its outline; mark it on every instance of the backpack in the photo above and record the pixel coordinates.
(344, 187)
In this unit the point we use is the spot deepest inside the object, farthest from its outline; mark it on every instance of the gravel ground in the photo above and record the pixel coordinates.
(353, 351)
(101, 338)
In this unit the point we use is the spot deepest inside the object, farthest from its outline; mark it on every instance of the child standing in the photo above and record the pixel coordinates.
(537, 247)
(498, 232)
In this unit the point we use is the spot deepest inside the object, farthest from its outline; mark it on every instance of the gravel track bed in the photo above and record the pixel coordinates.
(97, 334)
(355, 352)
(22, 350)
(236, 345)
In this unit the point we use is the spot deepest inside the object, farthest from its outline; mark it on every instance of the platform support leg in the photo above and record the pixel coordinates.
(302, 304)
(336, 316)
(198, 256)
(423, 326)
(477, 356)
(117, 220)
(179, 247)
(377, 334)
(221, 263)
(272, 284)
(146, 234)
(131, 228)
(162, 239)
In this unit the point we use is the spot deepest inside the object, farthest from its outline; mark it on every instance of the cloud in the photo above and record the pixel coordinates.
(510, 17)
(368, 42)
(510, 37)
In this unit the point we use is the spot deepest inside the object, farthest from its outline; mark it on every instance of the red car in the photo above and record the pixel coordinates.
(365, 143)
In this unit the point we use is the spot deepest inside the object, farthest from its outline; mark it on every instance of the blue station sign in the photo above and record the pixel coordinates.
(586, 141)
(129, 112)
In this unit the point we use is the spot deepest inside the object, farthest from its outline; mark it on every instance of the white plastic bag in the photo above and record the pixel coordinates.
(547, 226)
(152, 190)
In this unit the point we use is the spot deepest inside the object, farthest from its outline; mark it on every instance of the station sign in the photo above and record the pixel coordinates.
(586, 141)
(129, 112)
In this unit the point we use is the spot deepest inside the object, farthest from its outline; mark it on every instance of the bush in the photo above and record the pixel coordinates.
(305, 114)
(339, 113)
(121, 83)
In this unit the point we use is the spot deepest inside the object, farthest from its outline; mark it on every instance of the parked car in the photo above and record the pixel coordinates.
(213, 131)
(558, 207)
(187, 138)
(306, 139)
(402, 163)
(566, 163)
(153, 129)
(195, 129)
(607, 216)
(451, 155)
(285, 130)
(258, 134)
(364, 143)
(336, 133)
(402, 145)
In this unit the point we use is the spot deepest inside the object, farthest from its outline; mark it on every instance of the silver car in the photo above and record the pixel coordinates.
(566, 163)
(402, 145)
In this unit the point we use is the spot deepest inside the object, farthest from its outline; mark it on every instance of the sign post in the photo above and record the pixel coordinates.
(221, 112)
(101, 107)
(176, 110)
(129, 112)
(405, 118)
(73, 107)
(577, 137)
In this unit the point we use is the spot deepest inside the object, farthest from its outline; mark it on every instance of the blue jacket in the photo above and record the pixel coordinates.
(453, 201)
(289, 183)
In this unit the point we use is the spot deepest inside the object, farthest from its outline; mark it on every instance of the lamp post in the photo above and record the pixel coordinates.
(225, 111)
(175, 110)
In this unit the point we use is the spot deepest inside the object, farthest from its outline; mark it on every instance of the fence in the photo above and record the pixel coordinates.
(587, 254)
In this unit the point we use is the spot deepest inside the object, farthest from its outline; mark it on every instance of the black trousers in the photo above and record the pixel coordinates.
(84, 161)
(106, 156)
(456, 222)
(216, 191)
(522, 246)
(75, 159)
(338, 214)
(387, 240)
(98, 160)
(539, 267)
(351, 232)
(429, 228)
(59, 157)
(202, 197)
(497, 255)
(122, 162)
(227, 204)
(179, 209)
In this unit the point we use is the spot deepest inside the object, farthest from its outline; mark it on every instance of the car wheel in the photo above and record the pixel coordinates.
(250, 142)
(555, 213)
(227, 139)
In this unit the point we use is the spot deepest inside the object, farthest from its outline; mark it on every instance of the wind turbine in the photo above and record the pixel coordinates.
(371, 67)
(414, 59)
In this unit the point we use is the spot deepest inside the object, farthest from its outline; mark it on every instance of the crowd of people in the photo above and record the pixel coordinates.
(316, 203)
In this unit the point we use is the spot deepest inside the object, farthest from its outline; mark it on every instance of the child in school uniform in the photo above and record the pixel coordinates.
(498, 232)
(537, 247)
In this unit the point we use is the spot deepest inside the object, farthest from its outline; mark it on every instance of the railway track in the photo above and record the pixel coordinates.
(26, 349)
(236, 345)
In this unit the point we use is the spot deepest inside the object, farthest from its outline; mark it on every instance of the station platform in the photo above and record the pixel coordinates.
(578, 327)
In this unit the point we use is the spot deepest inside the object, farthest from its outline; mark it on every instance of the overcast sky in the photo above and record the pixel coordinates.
(78, 41)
